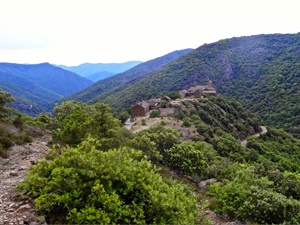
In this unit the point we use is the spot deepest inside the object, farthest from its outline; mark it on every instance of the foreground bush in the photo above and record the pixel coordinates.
(245, 197)
(85, 185)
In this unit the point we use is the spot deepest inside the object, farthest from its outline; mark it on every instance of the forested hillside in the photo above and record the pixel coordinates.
(133, 74)
(106, 174)
(261, 71)
(34, 86)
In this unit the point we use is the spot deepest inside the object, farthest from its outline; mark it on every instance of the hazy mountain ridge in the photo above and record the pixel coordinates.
(38, 84)
(131, 75)
(88, 69)
(100, 76)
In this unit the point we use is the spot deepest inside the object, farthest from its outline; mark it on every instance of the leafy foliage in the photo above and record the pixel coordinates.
(5, 97)
(260, 71)
(160, 139)
(216, 113)
(279, 148)
(246, 197)
(85, 185)
(91, 183)
(186, 158)
(78, 120)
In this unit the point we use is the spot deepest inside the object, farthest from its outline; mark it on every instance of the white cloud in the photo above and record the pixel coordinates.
(78, 31)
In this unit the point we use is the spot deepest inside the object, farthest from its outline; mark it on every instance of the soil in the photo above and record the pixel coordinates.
(13, 170)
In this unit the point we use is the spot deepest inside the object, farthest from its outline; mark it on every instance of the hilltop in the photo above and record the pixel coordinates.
(259, 71)
(200, 118)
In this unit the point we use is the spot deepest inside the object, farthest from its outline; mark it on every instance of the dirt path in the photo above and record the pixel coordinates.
(14, 210)
(263, 131)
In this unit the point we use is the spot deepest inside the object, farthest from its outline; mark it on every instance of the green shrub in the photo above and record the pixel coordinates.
(246, 197)
(3, 152)
(186, 158)
(186, 122)
(6, 142)
(174, 95)
(143, 122)
(88, 186)
(18, 122)
(154, 113)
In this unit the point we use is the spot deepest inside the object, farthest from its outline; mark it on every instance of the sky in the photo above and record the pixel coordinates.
(72, 32)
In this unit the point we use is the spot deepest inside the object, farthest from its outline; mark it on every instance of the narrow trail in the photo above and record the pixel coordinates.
(263, 131)
(13, 170)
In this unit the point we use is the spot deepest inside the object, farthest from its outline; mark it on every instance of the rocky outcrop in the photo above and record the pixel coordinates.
(13, 209)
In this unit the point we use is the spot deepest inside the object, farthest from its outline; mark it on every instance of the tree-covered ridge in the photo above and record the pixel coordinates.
(34, 86)
(88, 69)
(260, 71)
(106, 174)
(132, 75)
(215, 114)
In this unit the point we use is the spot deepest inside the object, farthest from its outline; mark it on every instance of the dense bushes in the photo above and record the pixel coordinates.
(108, 175)
(217, 113)
(85, 185)
(246, 197)
(186, 158)
(76, 121)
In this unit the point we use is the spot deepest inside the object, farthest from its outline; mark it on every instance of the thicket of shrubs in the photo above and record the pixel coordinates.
(109, 175)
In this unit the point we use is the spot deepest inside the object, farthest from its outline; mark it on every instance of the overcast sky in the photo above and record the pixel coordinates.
(72, 32)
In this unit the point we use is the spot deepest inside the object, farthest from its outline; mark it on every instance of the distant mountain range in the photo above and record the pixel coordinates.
(99, 71)
(260, 71)
(92, 92)
(35, 85)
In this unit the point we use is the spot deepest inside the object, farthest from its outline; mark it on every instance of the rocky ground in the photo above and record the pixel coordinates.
(13, 209)
(13, 170)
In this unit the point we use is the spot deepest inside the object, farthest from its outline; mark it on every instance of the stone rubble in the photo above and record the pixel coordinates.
(13, 209)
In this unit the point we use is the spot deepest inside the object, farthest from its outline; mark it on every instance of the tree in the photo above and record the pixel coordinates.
(226, 145)
(78, 120)
(186, 158)
(5, 97)
(246, 197)
(174, 95)
(164, 138)
(88, 186)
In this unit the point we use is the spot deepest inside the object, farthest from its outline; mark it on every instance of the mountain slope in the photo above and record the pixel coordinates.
(132, 74)
(38, 84)
(100, 76)
(88, 69)
(261, 71)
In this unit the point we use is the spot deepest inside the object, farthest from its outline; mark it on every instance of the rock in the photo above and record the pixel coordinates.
(13, 174)
(23, 208)
(13, 209)
(23, 168)
(34, 223)
(32, 161)
(205, 183)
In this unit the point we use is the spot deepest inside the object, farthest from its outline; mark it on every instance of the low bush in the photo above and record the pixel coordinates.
(88, 186)
(154, 113)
